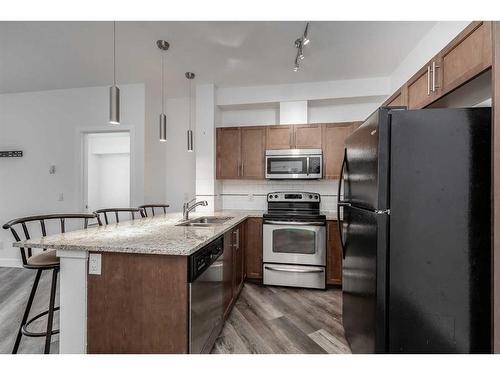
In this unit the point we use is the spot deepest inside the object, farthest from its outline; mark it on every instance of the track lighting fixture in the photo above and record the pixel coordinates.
(299, 44)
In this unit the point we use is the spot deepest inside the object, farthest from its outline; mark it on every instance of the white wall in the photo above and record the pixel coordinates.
(252, 194)
(46, 126)
(343, 110)
(351, 88)
(248, 115)
(293, 112)
(207, 187)
(108, 170)
(155, 152)
(180, 164)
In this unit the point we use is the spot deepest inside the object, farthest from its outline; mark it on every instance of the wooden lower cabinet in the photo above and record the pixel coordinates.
(228, 272)
(138, 304)
(238, 259)
(234, 273)
(333, 254)
(253, 248)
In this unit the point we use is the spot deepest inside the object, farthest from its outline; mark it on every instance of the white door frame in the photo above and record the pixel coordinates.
(80, 145)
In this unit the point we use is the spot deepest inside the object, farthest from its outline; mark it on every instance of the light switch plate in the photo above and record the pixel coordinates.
(94, 264)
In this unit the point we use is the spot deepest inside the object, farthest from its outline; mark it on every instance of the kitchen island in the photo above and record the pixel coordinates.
(134, 295)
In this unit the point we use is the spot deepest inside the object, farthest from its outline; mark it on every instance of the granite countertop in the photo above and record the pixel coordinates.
(154, 235)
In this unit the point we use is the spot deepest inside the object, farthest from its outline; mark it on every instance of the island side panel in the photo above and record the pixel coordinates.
(138, 304)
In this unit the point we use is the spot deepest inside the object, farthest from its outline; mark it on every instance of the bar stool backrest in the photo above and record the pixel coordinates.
(152, 207)
(103, 213)
(25, 227)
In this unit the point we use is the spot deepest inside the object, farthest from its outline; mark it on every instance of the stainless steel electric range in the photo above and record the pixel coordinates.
(294, 240)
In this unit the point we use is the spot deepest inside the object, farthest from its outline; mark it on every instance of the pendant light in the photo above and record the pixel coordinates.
(190, 76)
(114, 91)
(163, 46)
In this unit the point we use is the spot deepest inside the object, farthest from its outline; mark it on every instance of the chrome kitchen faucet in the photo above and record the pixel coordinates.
(186, 208)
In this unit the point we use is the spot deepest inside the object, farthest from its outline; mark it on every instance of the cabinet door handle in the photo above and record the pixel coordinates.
(434, 67)
(242, 169)
(428, 80)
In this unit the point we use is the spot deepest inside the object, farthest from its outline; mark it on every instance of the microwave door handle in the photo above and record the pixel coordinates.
(307, 165)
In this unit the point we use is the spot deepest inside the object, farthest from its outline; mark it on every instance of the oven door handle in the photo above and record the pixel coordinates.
(316, 223)
(300, 270)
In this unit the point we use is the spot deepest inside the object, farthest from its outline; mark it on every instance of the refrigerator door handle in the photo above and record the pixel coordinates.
(341, 203)
(339, 225)
(341, 177)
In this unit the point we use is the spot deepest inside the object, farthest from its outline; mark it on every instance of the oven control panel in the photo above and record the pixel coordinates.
(293, 196)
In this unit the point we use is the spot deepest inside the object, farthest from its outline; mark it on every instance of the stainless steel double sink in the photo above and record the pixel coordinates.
(205, 221)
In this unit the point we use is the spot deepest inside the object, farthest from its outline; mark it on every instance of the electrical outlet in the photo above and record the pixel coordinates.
(250, 197)
(60, 197)
(94, 264)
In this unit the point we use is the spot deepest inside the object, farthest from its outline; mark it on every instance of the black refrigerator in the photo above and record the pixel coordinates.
(415, 231)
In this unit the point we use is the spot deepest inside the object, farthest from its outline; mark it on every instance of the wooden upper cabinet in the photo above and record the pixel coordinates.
(307, 136)
(334, 136)
(253, 148)
(468, 55)
(396, 101)
(279, 137)
(228, 152)
(421, 91)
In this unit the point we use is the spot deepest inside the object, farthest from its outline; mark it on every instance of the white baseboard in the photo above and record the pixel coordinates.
(10, 262)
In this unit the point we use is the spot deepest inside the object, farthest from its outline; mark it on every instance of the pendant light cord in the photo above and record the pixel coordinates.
(114, 53)
(190, 105)
(162, 85)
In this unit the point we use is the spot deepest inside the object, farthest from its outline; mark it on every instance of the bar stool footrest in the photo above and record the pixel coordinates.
(24, 328)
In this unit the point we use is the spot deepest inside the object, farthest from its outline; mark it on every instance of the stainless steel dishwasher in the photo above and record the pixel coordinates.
(206, 292)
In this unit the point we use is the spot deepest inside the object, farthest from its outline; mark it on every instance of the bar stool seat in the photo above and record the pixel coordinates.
(44, 259)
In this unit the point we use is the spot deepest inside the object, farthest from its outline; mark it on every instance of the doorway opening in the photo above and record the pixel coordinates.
(106, 181)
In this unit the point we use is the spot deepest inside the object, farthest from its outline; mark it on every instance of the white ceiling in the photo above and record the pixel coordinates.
(53, 55)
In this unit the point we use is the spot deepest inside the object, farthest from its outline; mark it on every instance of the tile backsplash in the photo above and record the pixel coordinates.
(252, 194)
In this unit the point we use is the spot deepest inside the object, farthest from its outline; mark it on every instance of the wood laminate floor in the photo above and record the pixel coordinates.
(263, 320)
(15, 286)
(279, 320)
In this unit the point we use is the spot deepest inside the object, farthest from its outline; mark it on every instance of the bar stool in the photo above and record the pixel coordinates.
(152, 207)
(105, 211)
(43, 261)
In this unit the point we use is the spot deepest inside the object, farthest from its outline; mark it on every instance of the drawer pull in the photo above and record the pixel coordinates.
(299, 270)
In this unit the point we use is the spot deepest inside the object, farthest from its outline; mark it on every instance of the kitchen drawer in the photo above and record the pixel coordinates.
(283, 274)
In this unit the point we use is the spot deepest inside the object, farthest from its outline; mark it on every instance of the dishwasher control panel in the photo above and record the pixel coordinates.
(203, 258)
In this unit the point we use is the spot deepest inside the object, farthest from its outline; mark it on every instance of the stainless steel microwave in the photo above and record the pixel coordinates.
(294, 164)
